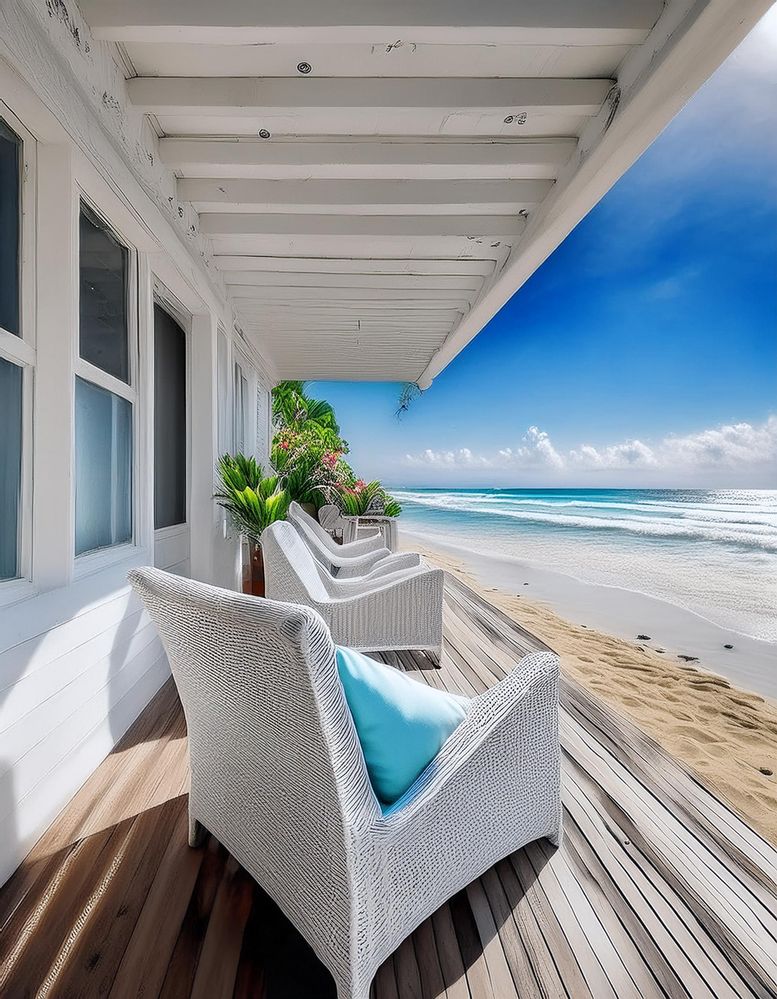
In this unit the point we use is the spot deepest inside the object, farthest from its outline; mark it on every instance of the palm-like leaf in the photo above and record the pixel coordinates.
(291, 407)
(252, 500)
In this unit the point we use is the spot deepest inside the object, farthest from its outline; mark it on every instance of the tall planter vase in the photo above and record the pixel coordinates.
(253, 569)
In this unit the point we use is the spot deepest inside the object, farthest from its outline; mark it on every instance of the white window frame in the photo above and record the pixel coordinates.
(92, 561)
(240, 403)
(224, 380)
(20, 350)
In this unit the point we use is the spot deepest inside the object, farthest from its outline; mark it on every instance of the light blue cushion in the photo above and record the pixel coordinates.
(401, 723)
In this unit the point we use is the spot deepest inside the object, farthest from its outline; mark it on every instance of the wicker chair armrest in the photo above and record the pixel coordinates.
(376, 581)
(384, 570)
(509, 705)
(361, 563)
(398, 560)
(363, 546)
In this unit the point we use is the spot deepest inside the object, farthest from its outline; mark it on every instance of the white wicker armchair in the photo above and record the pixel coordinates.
(361, 547)
(278, 776)
(341, 560)
(385, 609)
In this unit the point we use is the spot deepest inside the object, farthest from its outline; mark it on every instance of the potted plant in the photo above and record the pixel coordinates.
(363, 497)
(253, 501)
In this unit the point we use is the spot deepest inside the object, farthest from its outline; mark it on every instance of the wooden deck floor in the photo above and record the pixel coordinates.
(657, 890)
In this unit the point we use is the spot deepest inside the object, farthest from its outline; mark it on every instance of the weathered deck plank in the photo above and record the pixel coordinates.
(658, 889)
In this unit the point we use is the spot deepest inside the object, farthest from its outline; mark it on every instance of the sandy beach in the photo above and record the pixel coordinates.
(724, 733)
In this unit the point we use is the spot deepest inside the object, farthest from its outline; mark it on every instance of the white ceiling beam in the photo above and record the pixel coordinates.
(444, 22)
(318, 295)
(233, 224)
(357, 310)
(491, 248)
(243, 96)
(353, 326)
(364, 197)
(273, 279)
(355, 265)
(374, 348)
(434, 160)
(399, 310)
(292, 340)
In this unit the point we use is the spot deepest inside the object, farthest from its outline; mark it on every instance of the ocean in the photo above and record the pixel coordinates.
(711, 552)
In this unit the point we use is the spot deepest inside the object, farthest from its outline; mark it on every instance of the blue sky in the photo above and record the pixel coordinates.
(644, 350)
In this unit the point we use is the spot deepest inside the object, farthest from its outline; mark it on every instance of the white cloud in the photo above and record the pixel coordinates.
(725, 447)
(629, 454)
(535, 450)
(739, 447)
(447, 459)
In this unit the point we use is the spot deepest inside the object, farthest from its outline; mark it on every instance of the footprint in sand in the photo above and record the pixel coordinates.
(751, 701)
(712, 681)
(740, 721)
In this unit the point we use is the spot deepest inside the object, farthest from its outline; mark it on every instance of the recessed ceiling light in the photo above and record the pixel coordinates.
(304, 68)
(263, 133)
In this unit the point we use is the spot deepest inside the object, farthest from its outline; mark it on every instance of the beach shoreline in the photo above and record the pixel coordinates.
(671, 630)
(723, 731)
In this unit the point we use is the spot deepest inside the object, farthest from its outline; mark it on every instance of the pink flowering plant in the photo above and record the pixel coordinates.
(308, 455)
(355, 500)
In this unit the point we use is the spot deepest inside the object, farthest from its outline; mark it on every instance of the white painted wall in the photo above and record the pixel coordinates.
(79, 658)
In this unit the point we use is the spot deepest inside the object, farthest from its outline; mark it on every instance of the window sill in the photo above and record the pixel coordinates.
(91, 562)
(173, 531)
(14, 590)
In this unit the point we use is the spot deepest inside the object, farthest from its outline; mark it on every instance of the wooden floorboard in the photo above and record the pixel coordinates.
(658, 889)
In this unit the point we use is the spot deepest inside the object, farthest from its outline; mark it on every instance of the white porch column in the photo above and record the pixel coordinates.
(214, 556)
(56, 346)
(203, 446)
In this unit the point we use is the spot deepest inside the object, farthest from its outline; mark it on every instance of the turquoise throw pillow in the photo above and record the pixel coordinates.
(401, 723)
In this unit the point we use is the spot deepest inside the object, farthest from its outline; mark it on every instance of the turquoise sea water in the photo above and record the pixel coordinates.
(713, 552)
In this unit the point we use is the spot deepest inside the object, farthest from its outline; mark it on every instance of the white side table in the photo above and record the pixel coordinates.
(368, 524)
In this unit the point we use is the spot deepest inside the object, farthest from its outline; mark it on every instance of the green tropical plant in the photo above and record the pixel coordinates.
(308, 454)
(355, 500)
(299, 481)
(237, 471)
(253, 500)
(292, 407)
(392, 507)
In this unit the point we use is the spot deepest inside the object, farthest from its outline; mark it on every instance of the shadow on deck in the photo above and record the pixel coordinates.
(658, 889)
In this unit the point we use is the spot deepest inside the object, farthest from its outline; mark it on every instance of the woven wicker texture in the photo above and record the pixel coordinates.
(387, 609)
(278, 776)
(350, 560)
(361, 547)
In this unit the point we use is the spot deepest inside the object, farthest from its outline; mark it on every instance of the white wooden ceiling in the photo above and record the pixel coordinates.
(377, 177)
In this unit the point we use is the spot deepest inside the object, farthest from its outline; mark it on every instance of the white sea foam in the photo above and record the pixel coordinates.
(758, 530)
(714, 553)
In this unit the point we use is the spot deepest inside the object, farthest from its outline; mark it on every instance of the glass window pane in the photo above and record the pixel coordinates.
(169, 421)
(10, 466)
(103, 264)
(10, 229)
(103, 468)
